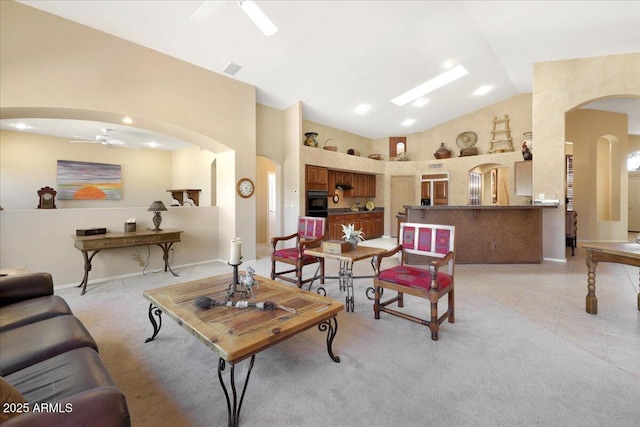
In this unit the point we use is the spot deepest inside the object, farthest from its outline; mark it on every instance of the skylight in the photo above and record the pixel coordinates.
(431, 85)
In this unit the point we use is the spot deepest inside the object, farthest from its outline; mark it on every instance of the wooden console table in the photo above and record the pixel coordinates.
(91, 245)
(621, 253)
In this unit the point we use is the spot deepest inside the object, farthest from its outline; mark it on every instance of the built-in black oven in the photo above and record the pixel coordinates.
(317, 203)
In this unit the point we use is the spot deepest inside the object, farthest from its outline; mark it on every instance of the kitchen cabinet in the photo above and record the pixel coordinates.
(343, 178)
(317, 177)
(371, 223)
(363, 186)
(331, 183)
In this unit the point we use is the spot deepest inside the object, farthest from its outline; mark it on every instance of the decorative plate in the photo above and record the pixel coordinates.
(370, 206)
(466, 139)
(336, 198)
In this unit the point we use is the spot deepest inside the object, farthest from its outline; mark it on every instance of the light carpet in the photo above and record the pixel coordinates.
(490, 368)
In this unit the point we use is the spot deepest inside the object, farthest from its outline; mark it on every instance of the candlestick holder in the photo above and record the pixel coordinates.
(235, 287)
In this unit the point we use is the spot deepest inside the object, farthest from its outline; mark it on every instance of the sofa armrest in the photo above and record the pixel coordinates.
(22, 287)
(99, 407)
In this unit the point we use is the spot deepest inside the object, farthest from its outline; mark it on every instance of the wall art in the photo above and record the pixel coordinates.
(89, 181)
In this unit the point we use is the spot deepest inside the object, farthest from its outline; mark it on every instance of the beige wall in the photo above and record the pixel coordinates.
(342, 139)
(41, 239)
(61, 69)
(191, 169)
(584, 128)
(421, 145)
(58, 69)
(560, 87)
(29, 162)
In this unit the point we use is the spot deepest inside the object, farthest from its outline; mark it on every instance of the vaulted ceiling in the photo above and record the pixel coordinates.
(336, 55)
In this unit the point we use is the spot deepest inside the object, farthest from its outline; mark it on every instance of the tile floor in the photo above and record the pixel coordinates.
(552, 294)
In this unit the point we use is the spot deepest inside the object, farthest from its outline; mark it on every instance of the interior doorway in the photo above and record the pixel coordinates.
(266, 206)
(402, 193)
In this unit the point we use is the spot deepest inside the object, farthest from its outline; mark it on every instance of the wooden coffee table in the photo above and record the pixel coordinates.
(235, 334)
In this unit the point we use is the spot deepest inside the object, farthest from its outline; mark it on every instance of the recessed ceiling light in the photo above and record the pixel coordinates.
(363, 108)
(420, 102)
(431, 85)
(127, 120)
(448, 64)
(152, 144)
(408, 122)
(483, 90)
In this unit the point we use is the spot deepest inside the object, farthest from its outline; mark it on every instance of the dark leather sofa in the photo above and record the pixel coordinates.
(51, 372)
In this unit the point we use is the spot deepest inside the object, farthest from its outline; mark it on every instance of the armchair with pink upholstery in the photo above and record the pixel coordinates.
(309, 235)
(434, 247)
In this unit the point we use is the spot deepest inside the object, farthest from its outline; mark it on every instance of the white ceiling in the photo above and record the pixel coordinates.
(335, 55)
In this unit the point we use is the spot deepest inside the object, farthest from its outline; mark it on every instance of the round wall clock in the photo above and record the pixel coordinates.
(47, 197)
(245, 188)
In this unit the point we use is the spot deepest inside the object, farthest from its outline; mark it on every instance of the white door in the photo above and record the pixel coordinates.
(634, 203)
(271, 211)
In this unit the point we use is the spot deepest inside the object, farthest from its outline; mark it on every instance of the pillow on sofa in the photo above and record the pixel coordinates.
(8, 394)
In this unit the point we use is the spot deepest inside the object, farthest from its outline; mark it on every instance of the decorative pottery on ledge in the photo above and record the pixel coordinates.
(442, 152)
(311, 139)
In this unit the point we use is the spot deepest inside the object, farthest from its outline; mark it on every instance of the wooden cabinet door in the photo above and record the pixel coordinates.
(372, 185)
(316, 177)
(358, 184)
(331, 182)
(379, 224)
(440, 193)
(312, 174)
(323, 174)
(425, 192)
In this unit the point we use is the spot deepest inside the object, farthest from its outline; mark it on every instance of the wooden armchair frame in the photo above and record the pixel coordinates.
(435, 243)
(309, 235)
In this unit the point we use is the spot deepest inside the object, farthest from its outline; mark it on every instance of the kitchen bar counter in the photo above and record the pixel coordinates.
(344, 211)
(489, 234)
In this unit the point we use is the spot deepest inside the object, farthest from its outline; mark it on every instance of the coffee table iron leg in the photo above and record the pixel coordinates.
(331, 334)
(234, 416)
(156, 325)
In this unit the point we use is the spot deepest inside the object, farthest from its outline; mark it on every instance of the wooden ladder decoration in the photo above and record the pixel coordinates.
(501, 128)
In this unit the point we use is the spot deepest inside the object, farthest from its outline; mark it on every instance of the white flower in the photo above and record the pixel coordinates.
(350, 233)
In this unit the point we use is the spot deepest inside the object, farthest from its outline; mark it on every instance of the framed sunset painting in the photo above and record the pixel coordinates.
(89, 181)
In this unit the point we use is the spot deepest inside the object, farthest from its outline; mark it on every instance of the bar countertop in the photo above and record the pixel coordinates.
(483, 207)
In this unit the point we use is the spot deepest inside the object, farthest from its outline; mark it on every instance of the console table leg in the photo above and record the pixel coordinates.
(591, 299)
(156, 325)
(166, 247)
(87, 269)
(327, 325)
(234, 415)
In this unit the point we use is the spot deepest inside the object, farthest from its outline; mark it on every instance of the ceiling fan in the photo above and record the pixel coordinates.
(104, 139)
(253, 11)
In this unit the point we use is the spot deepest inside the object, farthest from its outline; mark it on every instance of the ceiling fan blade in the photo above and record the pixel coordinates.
(258, 17)
(207, 10)
(84, 141)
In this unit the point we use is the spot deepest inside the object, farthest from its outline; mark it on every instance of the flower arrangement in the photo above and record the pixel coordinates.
(402, 157)
(350, 234)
